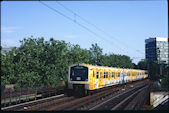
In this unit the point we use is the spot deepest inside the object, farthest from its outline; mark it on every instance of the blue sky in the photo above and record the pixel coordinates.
(128, 22)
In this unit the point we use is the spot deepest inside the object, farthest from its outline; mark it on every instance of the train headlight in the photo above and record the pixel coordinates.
(86, 79)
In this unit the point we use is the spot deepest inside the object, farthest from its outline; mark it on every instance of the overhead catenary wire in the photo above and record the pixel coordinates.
(81, 25)
(85, 20)
(99, 29)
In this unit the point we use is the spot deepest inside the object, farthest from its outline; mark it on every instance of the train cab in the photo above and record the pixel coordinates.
(78, 78)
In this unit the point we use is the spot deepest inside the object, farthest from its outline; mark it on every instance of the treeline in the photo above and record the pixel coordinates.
(157, 72)
(38, 63)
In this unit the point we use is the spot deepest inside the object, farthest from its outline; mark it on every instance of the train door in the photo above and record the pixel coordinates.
(97, 80)
(123, 77)
(113, 77)
(100, 79)
(139, 75)
(130, 76)
(116, 76)
(92, 79)
(119, 74)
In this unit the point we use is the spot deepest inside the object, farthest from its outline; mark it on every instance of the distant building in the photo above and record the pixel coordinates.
(6, 48)
(156, 49)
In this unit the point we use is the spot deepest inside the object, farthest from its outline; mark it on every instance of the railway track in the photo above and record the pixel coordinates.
(47, 105)
(117, 102)
(27, 105)
(113, 99)
(85, 103)
(97, 101)
(17, 97)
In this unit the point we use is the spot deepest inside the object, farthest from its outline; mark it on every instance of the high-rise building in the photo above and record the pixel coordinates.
(156, 49)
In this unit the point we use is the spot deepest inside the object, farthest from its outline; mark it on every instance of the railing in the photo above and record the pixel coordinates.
(9, 97)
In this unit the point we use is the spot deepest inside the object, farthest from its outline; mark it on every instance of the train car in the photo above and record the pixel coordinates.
(84, 78)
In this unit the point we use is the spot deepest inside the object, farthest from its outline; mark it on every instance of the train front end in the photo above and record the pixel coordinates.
(78, 79)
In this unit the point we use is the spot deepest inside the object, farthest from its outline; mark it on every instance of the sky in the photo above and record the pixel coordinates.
(127, 23)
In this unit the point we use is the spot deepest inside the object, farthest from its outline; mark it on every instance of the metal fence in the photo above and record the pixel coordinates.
(12, 96)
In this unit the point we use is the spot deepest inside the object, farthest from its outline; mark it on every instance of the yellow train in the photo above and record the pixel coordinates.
(84, 78)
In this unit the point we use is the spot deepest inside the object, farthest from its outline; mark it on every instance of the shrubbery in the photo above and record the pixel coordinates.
(38, 63)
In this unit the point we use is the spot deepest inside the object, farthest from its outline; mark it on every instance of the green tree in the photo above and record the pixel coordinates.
(120, 61)
(39, 63)
(143, 65)
(96, 54)
(165, 78)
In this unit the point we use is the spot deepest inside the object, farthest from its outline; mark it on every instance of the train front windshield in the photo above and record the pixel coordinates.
(78, 73)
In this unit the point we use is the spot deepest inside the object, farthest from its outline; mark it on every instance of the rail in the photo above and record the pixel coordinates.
(11, 98)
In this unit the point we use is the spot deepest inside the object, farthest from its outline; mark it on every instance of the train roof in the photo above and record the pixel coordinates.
(89, 65)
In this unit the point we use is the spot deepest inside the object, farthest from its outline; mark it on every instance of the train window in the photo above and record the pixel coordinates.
(80, 71)
(97, 75)
(118, 74)
(73, 73)
(113, 74)
(110, 74)
(104, 74)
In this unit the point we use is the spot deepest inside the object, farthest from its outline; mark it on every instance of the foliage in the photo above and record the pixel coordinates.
(96, 54)
(154, 72)
(38, 63)
(120, 61)
(143, 65)
(165, 79)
